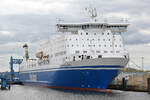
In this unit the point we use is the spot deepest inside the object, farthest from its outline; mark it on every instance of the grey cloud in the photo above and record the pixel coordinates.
(32, 27)
(26, 27)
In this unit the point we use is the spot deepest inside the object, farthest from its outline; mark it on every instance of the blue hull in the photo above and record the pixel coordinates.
(97, 77)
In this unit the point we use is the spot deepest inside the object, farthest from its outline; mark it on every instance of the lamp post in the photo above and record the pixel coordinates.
(142, 63)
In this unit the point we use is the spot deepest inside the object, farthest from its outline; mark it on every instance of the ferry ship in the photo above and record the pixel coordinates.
(82, 56)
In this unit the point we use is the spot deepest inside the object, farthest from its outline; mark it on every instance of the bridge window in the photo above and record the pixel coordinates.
(60, 53)
(84, 51)
(99, 56)
(82, 57)
(117, 51)
(74, 58)
(111, 51)
(76, 51)
(105, 51)
(97, 51)
(88, 57)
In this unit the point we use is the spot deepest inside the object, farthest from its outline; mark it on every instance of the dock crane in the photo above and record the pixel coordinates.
(5, 81)
(12, 62)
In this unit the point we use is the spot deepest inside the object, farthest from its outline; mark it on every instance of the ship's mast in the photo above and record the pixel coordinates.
(92, 13)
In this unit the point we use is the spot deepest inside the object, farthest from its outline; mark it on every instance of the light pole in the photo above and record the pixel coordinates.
(142, 63)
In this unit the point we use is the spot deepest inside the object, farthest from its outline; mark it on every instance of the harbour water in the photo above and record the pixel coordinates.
(19, 92)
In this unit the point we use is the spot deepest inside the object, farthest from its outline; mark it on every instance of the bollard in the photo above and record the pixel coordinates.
(148, 85)
(124, 84)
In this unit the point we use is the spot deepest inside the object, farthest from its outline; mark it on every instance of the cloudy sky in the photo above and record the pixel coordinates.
(29, 21)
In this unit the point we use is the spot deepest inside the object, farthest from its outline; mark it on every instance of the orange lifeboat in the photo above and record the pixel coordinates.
(39, 54)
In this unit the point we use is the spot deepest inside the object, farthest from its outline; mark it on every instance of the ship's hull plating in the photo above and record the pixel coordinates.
(93, 77)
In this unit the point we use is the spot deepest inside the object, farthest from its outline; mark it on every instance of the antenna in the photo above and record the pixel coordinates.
(92, 12)
(25, 46)
(105, 20)
(142, 63)
(124, 20)
(60, 20)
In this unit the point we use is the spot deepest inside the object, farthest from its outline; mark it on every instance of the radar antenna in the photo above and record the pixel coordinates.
(59, 20)
(124, 20)
(92, 13)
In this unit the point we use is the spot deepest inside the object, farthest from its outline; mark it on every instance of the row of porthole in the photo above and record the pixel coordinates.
(98, 52)
(93, 45)
(94, 33)
(94, 39)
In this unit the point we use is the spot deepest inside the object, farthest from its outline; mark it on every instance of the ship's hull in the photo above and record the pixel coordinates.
(73, 77)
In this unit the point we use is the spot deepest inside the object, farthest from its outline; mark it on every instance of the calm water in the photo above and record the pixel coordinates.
(18, 92)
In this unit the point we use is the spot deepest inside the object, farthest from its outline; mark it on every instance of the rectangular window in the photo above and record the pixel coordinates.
(111, 52)
(60, 53)
(99, 56)
(84, 51)
(88, 57)
(97, 51)
(76, 51)
(105, 51)
(117, 51)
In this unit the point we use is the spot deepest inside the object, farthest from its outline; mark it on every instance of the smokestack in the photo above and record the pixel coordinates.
(25, 46)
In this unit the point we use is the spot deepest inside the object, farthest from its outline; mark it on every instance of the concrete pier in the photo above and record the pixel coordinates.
(134, 82)
(148, 85)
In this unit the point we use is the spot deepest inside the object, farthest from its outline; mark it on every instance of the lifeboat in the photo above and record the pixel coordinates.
(39, 54)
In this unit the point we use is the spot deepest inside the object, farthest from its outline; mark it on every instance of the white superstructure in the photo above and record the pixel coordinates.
(77, 44)
(80, 41)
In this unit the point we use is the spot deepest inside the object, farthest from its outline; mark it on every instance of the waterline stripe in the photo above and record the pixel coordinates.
(70, 88)
(70, 69)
